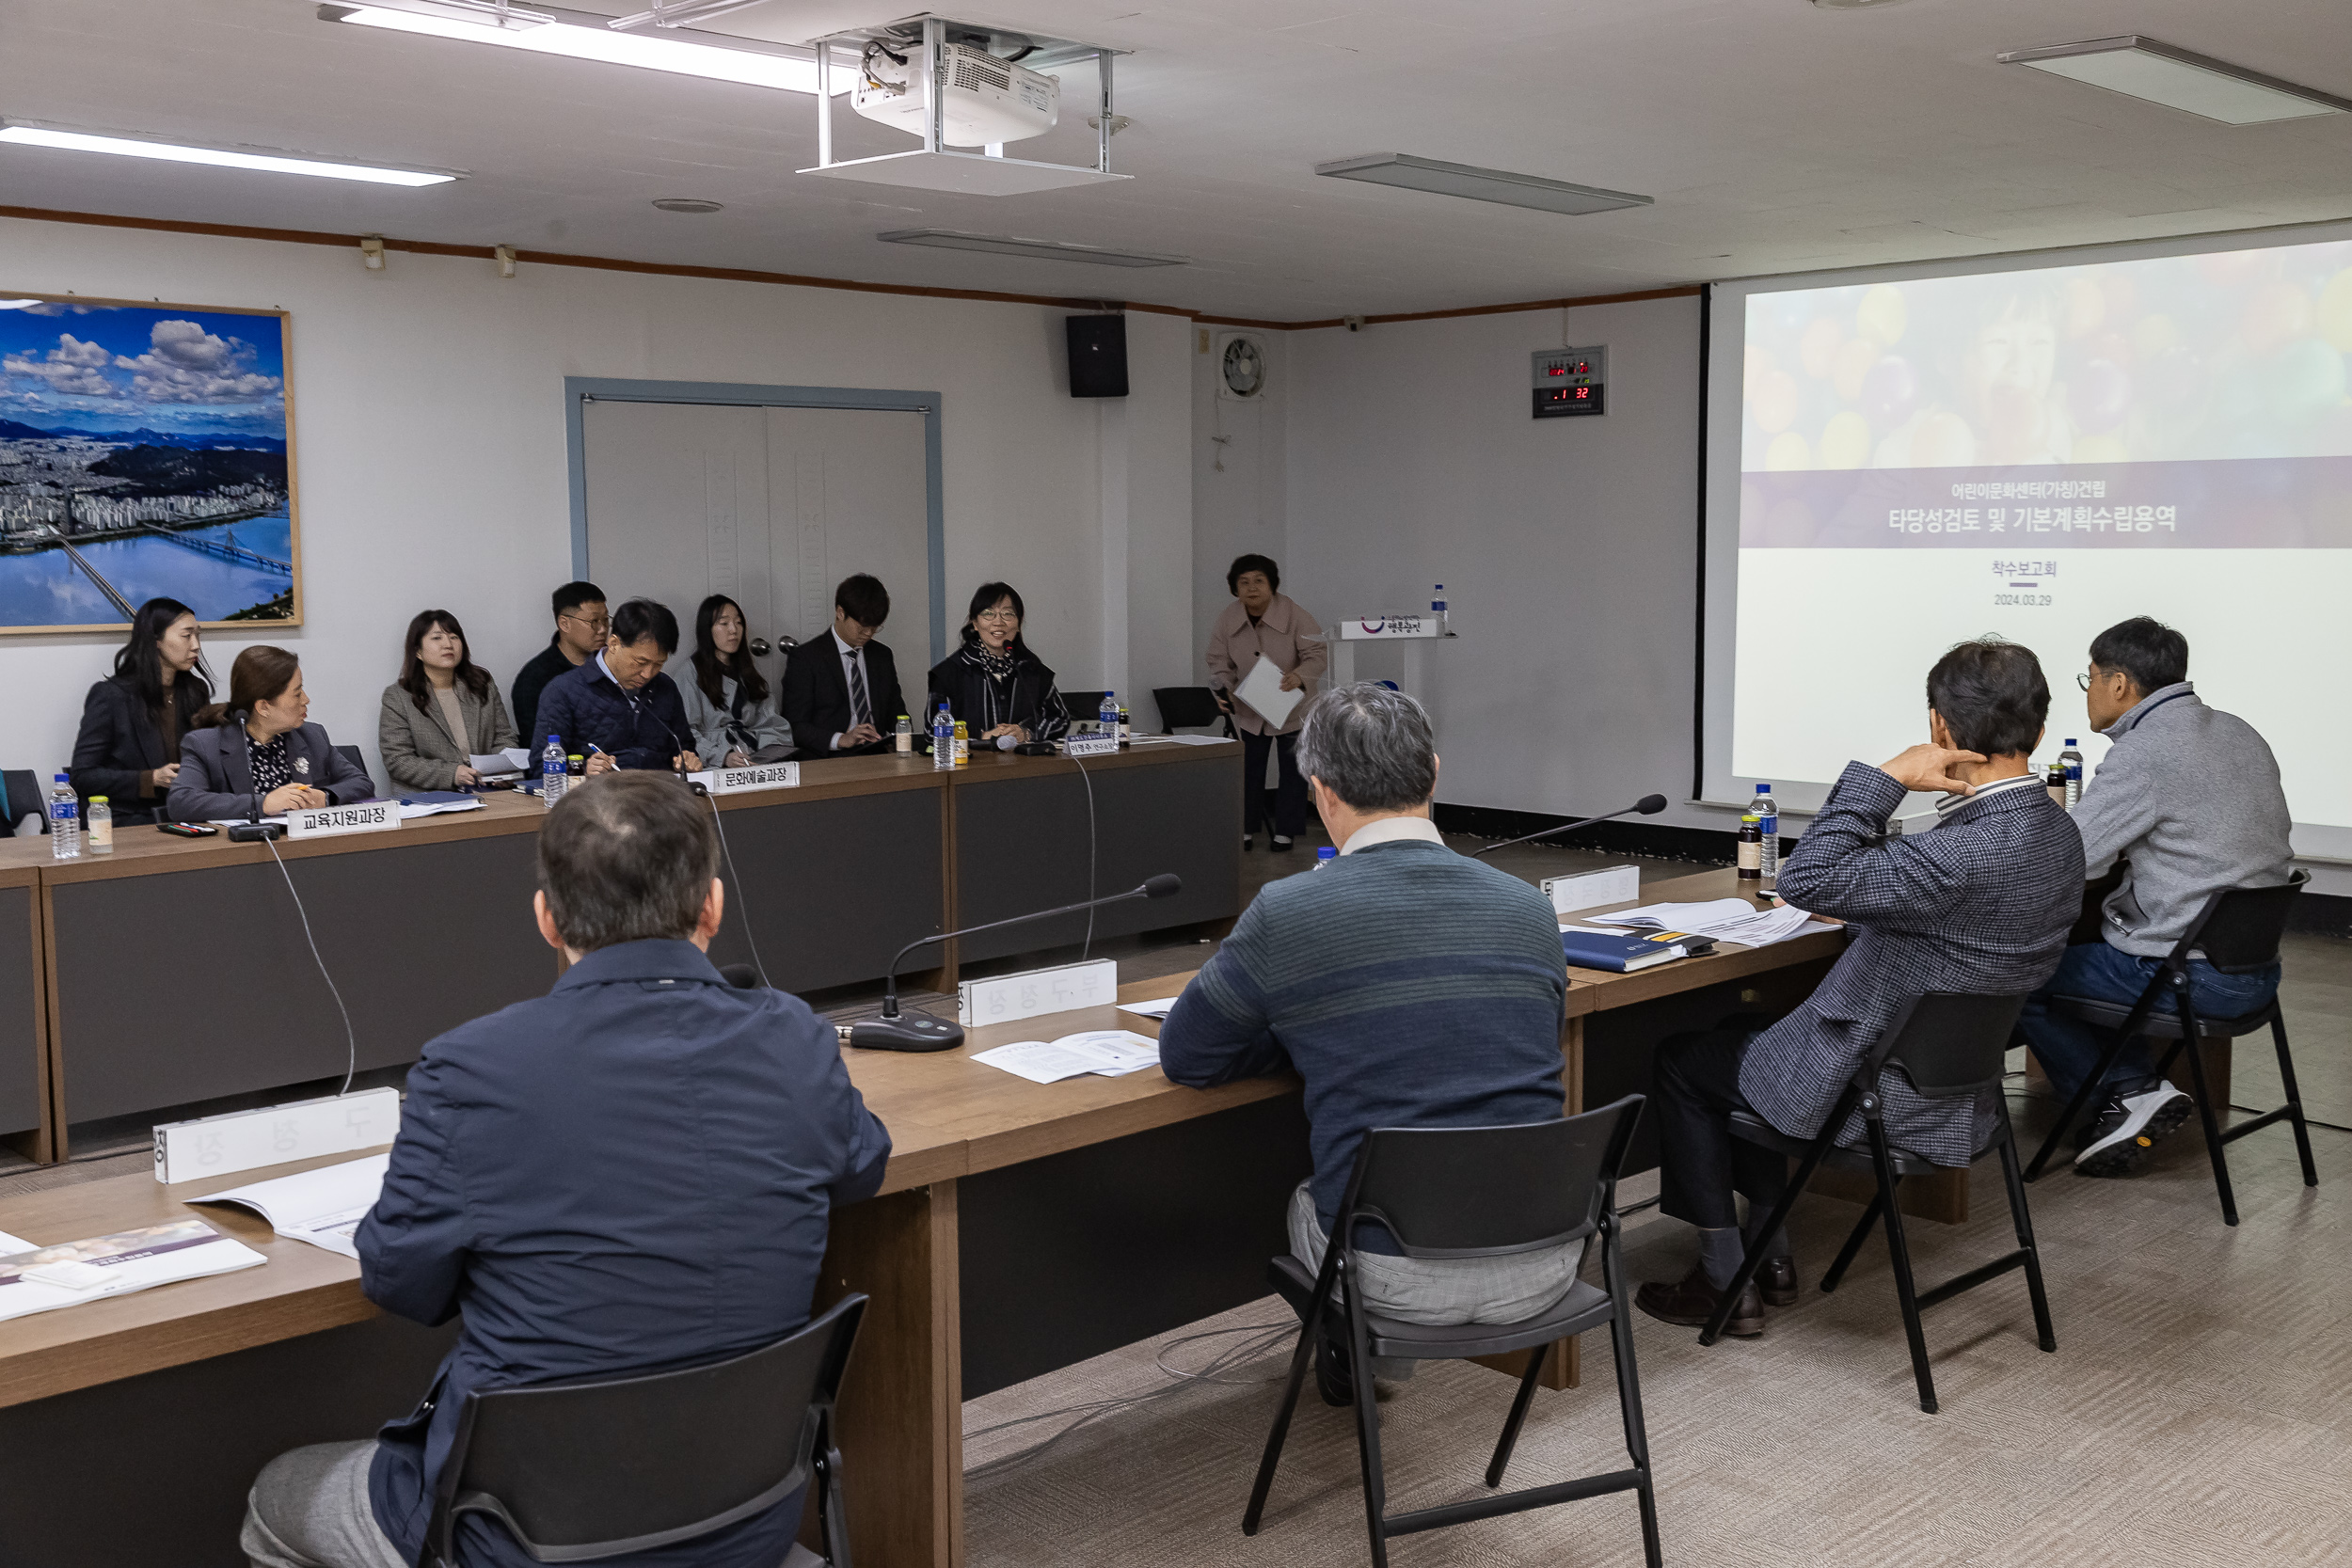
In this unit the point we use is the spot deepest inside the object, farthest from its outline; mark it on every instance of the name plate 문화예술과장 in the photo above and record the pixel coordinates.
(734, 780)
(362, 816)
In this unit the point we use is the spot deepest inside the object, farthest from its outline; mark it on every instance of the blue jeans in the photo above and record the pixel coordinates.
(2069, 1049)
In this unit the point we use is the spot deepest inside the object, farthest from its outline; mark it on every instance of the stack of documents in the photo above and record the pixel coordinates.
(1262, 691)
(1723, 919)
(323, 1207)
(46, 1278)
(436, 803)
(496, 764)
(1109, 1052)
(1160, 1008)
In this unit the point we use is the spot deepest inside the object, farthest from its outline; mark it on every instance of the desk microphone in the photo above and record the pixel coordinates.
(898, 1031)
(253, 830)
(1649, 805)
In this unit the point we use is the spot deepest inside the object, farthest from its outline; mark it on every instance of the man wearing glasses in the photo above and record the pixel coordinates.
(2188, 797)
(580, 626)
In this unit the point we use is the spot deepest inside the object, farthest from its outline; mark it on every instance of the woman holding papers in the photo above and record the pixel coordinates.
(729, 703)
(1262, 624)
(444, 710)
(129, 746)
(1002, 691)
(255, 755)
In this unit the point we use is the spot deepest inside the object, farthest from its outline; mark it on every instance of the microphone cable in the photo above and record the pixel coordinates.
(350, 1040)
(728, 850)
(1093, 847)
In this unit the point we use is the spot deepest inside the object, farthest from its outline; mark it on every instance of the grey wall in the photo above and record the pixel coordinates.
(1568, 547)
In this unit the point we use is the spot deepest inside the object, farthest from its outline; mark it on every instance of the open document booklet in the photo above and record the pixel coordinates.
(1110, 1053)
(43, 1280)
(323, 1207)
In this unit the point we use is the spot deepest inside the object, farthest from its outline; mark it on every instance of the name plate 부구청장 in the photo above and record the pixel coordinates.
(774, 775)
(363, 816)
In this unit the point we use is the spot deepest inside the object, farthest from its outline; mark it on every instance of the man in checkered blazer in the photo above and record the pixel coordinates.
(1979, 903)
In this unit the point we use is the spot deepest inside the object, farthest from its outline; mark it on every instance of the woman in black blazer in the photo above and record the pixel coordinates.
(278, 762)
(132, 723)
(1002, 691)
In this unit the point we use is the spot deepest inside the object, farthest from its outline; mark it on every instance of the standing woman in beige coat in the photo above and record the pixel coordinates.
(1264, 623)
(444, 709)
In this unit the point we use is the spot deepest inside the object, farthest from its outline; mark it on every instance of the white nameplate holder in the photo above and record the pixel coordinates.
(735, 781)
(367, 816)
(1619, 885)
(1091, 746)
(1363, 628)
(1010, 998)
(244, 1140)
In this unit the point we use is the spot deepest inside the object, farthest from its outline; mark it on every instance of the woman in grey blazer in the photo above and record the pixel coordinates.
(443, 711)
(728, 702)
(273, 761)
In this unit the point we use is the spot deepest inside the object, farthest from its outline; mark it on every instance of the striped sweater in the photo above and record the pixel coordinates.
(1408, 986)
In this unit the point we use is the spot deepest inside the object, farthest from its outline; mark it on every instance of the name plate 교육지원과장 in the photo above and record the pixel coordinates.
(364, 816)
(774, 775)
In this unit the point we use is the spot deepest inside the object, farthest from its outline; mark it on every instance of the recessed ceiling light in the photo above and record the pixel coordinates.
(2156, 73)
(579, 36)
(687, 204)
(1852, 5)
(1480, 184)
(1051, 250)
(131, 145)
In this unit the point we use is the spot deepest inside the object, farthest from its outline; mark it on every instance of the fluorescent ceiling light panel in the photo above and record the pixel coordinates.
(2194, 84)
(1480, 184)
(22, 134)
(681, 57)
(1006, 245)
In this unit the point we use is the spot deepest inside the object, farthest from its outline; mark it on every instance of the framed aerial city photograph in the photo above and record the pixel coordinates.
(146, 452)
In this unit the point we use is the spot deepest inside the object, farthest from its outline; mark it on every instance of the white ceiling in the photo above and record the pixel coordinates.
(1776, 136)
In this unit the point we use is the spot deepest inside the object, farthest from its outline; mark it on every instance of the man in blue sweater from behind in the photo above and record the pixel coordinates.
(1408, 986)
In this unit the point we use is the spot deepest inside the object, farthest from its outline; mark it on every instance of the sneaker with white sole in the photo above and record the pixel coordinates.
(2129, 1128)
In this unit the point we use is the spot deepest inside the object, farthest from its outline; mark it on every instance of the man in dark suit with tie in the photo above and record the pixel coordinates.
(1980, 903)
(841, 691)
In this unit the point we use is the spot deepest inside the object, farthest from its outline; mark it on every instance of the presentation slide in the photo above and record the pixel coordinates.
(2038, 453)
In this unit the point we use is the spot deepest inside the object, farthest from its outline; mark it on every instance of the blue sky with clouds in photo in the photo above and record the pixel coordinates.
(64, 364)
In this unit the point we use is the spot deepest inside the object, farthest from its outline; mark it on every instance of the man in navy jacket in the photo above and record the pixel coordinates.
(619, 710)
(632, 1172)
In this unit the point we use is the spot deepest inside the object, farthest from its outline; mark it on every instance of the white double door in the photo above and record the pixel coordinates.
(770, 506)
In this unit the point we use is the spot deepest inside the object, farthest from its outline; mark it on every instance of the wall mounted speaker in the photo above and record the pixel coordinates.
(1098, 355)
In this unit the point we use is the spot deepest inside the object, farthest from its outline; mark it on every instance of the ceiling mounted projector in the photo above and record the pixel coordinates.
(984, 101)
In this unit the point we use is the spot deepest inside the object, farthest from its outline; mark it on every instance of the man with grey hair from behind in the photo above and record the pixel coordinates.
(1410, 987)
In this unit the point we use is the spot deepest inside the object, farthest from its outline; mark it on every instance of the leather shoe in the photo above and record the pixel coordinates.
(1334, 1379)
(1777, 1281)
(1692, 1301)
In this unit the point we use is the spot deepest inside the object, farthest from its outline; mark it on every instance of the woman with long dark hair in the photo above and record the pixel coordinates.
(1002, 691)
(442, 712)
(729, 703)
(274, 761)
(132, 722)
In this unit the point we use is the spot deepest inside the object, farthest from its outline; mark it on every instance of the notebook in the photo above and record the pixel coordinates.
(1623, 954)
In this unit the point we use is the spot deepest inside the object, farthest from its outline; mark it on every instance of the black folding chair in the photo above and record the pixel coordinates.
(1948, 1046)
(21, 797)
(1472, 1192)
(1188, 708)
(587, 1470)
(1086, 706)
(2237, 932)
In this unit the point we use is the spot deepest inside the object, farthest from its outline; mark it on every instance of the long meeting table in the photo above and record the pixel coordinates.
(175, 973)
(1021, 1227)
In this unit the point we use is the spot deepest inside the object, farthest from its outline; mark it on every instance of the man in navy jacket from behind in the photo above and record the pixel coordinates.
(634, 1171)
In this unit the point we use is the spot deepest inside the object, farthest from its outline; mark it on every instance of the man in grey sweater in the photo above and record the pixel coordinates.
(2189, 797)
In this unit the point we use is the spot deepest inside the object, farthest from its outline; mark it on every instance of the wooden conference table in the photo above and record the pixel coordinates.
(174, 972)
(1021, 1227)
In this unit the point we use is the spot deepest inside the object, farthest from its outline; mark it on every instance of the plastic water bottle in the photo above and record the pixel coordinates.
(555, 774)
(65, 822)
(943, 739)
(1436, 608)
(100, 829)
(1767, 811)
(2071, 761)
(1324, 856)
(1109, 714)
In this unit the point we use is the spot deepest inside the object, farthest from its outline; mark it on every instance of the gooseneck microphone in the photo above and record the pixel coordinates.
(898, 1031)
(1649, 805)
(253, 830)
